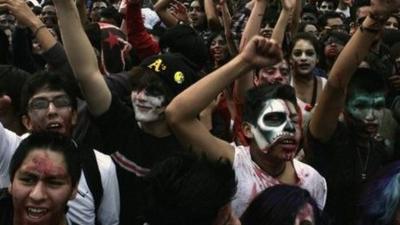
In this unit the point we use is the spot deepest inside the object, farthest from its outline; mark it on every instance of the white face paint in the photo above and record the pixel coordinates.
(147, 108)
(277, 124)
(304, 57)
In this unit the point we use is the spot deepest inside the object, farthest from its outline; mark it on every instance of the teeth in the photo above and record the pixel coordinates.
(54, 125)
(36, 213)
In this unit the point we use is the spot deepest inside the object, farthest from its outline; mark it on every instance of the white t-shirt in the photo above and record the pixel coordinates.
(81, 209)
(252, 180)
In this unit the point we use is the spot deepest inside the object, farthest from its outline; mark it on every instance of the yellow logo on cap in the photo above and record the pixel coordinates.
(157, 65)
(179, 77)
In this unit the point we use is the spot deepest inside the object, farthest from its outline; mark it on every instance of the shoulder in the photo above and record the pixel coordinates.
(104, 162)
(308, 173)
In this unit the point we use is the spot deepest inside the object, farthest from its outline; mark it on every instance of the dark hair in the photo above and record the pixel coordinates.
(366, 80)
(47, 2)
(111, 13)
(307, 37)
(104, 1)
(93, 32)
(256, 96)
(46, 80)
(48, 141)
(380, 202)
(310, 8)
(302, 27)
(12, 80)
(334, 2)
(143, 78)
(188, 189)
(279, 205)
(323, 19)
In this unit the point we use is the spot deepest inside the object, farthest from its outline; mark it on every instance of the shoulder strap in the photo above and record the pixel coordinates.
(92, 175)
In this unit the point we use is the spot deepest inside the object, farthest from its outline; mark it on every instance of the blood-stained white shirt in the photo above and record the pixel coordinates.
(252, 180)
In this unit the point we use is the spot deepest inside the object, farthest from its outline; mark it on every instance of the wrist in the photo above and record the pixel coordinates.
(371, 23)
(35, 25)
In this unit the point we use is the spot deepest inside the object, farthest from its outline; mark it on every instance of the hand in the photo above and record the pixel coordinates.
(384, 7)
(288, 5)
(261, 52)
(21, 12)
(178, 10)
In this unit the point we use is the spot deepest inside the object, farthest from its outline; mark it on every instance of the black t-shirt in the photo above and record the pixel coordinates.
(134, 153)
(342, 165)
(6, 207)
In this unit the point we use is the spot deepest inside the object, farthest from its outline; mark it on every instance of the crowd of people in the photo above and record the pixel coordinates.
(201, 112)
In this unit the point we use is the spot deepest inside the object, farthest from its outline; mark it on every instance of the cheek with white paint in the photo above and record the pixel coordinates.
(261, 142)
(147, 108)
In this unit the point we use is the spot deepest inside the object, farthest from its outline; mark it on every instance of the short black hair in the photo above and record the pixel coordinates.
(323, 19)
(279, 205)
(367, 80)
(12, 79)
(256, 96)
(188, 189)
(144, 78)
(52, 81)
(48, 141)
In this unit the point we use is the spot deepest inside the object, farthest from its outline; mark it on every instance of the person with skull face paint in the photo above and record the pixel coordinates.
(349, 153)
(272, 123)
(136, 138)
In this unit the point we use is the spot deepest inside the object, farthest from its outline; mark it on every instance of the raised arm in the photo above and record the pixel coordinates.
(183, 119)
(211, 14)
(280, 27)
(161, 8)
(252, 28)
(324, 121)
(82, 58)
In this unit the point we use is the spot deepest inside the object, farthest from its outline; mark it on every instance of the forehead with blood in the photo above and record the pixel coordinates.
(43, 165)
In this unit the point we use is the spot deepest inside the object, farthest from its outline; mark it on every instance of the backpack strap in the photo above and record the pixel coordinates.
(92, 175)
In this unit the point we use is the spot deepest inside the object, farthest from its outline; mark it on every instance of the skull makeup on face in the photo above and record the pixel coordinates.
(277, 124)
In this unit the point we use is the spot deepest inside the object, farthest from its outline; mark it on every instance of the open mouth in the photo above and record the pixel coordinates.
(304, 66)
(36, 213)
(54, 126)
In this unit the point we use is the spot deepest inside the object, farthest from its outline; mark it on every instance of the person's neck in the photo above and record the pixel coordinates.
(303, 78)
(272, 167)
(157, 128)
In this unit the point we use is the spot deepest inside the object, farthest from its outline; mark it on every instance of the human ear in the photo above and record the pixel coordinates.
(246, 127)
(26, 121)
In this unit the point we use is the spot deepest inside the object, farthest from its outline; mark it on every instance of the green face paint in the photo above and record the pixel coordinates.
(366, 110)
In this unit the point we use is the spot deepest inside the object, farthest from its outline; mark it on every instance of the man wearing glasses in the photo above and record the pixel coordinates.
(48, 103)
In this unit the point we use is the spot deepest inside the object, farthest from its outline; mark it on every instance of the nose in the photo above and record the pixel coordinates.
(278, 77)
(52, 108)
(289, 127)
(38, 192)
(370, 115)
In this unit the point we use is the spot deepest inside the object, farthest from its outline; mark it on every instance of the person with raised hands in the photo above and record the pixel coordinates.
(272, 122)
(348, 153)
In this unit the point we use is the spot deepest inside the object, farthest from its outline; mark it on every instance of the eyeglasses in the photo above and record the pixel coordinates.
(43, 103)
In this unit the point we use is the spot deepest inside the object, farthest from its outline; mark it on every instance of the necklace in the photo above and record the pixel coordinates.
(363, 164)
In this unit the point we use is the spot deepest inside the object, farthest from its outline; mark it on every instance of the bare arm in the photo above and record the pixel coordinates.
(227, 19)
(324, 121)
(80, 4)
(211, 14)
(252, 28)
(280, 27)
(82, 58)
(161, 8)
(183, 119)
(26, 17)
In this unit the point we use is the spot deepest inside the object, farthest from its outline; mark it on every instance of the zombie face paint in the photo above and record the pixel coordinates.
(366, 111)
(277, 126)
(326, 7)
(41, 188)
(148, 108)
(304, 57)
(275, 74)
(305, 216)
